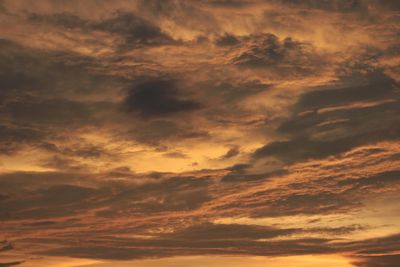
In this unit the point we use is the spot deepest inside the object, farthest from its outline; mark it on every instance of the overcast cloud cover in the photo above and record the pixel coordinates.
(200, 133)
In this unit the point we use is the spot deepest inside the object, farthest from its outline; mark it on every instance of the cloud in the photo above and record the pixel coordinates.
(335, 5)
(232, 152)
(136, 31)
(169, 128)
(282, 56)
(214, 232)
(227, 40)
(157, 98)
(14, 263)
(12, 137)
(5, 246)
(333, 121)
(378, 261)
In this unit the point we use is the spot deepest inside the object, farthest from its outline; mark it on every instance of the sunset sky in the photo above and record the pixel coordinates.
(200, 133)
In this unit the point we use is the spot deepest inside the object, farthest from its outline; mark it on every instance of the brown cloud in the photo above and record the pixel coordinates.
(148, 129)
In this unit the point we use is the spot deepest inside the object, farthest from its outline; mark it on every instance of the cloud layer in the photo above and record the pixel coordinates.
(134, 130)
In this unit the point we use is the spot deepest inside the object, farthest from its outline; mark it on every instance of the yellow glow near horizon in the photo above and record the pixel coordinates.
(213, 261)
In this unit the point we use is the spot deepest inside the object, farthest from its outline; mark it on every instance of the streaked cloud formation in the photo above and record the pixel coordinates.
(247, 133)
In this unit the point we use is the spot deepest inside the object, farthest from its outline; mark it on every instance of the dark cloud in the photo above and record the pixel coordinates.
(28, 72)
(93, 93)
(239, 175)
(5, 246)
(286, 56)
(135, 30)
(227, 40)
(50, 111)
(229, 3)
(333, 5)
(158, 98)
(54, 201)
(342, 6)
(211, 232)
(66, 20)
(174, 194)
(232, 152)
(199, 239)
(375, 86)
(378, 180)
(14, 137)
(378, 261)
(306, 203)
(13, 263)
(321, 133)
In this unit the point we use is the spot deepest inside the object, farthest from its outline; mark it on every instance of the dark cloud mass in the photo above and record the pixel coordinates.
(199, 133)
(158, 98)
(135, 30)
(285, 56)
(330, 126)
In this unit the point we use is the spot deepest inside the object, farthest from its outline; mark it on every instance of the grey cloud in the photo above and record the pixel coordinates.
(135, 30)
(50, 111)
(377, 86)
(227, 40)
(173, 194)
(5, 246)
(232, 152)
(281, 56)
(210, 232)
(318, 133)
(28, 72)
(378, 261)
(13, 263)
(198, 239)
(157, 98)
(54, 201)
(13, 137)
(332, 5)
(229, 3)
(240, 175)
(342, 6)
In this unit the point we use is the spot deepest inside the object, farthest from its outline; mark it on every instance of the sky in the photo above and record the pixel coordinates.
(171, 133)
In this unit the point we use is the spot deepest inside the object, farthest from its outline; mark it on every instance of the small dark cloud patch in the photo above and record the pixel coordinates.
(158, 98)
(176, 154)
(227, 40)
(232, 152)
(13, 263)
(5, 246)
(285, 56)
